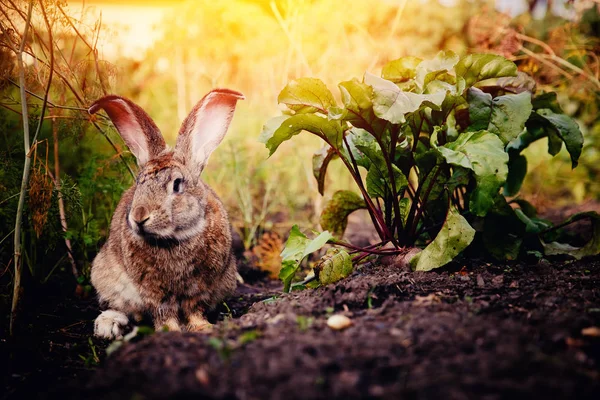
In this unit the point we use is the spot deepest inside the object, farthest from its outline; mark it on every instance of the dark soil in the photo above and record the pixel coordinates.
(480, 332)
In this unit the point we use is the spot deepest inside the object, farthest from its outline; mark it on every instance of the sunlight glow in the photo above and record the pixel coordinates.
(130, 28)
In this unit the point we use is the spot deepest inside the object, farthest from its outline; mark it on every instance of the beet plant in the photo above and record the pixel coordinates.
(434, 147)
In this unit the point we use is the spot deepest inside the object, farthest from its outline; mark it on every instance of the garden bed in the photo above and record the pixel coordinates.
(476, 331)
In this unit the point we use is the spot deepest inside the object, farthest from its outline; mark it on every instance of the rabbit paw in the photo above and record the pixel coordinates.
(110, 324)
(197, 323)
(169, 325)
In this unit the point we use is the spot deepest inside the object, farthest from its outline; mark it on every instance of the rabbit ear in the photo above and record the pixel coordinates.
(205, 127)
(136, 127)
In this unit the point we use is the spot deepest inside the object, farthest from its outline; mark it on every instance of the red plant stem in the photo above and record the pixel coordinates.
(397, 224)
(359, 258)
(413, 207)
(378, 204)
(394, 196)
(366, 249)
(375, 216)
(424, 202)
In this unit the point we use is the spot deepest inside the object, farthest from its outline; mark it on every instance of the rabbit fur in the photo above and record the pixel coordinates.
(168, 254)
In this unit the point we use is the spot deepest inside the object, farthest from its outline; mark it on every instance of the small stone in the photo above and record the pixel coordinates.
(480, 281)
(498, 280)
(396, 332)
(376, 391)
(338, 322)
(202, 376)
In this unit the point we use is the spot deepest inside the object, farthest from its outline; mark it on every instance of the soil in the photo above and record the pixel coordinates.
(480, 331)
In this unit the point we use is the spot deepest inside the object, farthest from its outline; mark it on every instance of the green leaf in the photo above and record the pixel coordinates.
(442, 81)
(405, 204)
(558, 128)
(287, 272)
(296, 248)
(401, 70)
(270, 127)
(356, 138)
(295, 245)
(527, 208)
(320, 162)
(328, 130)
(378, 181)
(335, 265)
(428, 70)
(478, 67)
(356, 95)
(418, 122)
(567, 130)
(517, 169)
(532, 225)
(368, 154)
(480, 109)
(503, 115)
(370, 151)
(534, 131)
(456, 234)
(589, 249)
(483, 153)
(334, 217)
(503, 231)
(317, 243)
(306, 95)
(359, 112)
(517, 84)
(509, 114)
(460, 177)
(547, 100)
(392, 104)
(335, 113)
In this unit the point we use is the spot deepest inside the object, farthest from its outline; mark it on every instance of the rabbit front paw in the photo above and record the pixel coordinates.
(110, 324)
(197, 323)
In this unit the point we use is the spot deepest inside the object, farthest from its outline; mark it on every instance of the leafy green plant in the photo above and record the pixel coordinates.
(90, 359)
(434, 147)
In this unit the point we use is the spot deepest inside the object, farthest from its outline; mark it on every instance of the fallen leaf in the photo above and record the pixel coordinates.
(336, 264)
(268, 254)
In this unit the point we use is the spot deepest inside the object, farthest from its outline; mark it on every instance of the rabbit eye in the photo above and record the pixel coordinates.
(178, 185)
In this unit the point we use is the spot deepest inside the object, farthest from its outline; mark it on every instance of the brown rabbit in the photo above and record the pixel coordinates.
(168, 252)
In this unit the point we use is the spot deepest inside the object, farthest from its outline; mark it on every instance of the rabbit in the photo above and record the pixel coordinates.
(168, 254)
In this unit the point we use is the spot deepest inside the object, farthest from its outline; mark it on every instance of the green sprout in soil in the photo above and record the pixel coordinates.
(434, 148)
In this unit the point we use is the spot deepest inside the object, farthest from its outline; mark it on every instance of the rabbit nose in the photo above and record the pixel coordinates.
(140, 215)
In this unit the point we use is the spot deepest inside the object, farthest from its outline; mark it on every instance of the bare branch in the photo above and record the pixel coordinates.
(25, 179)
